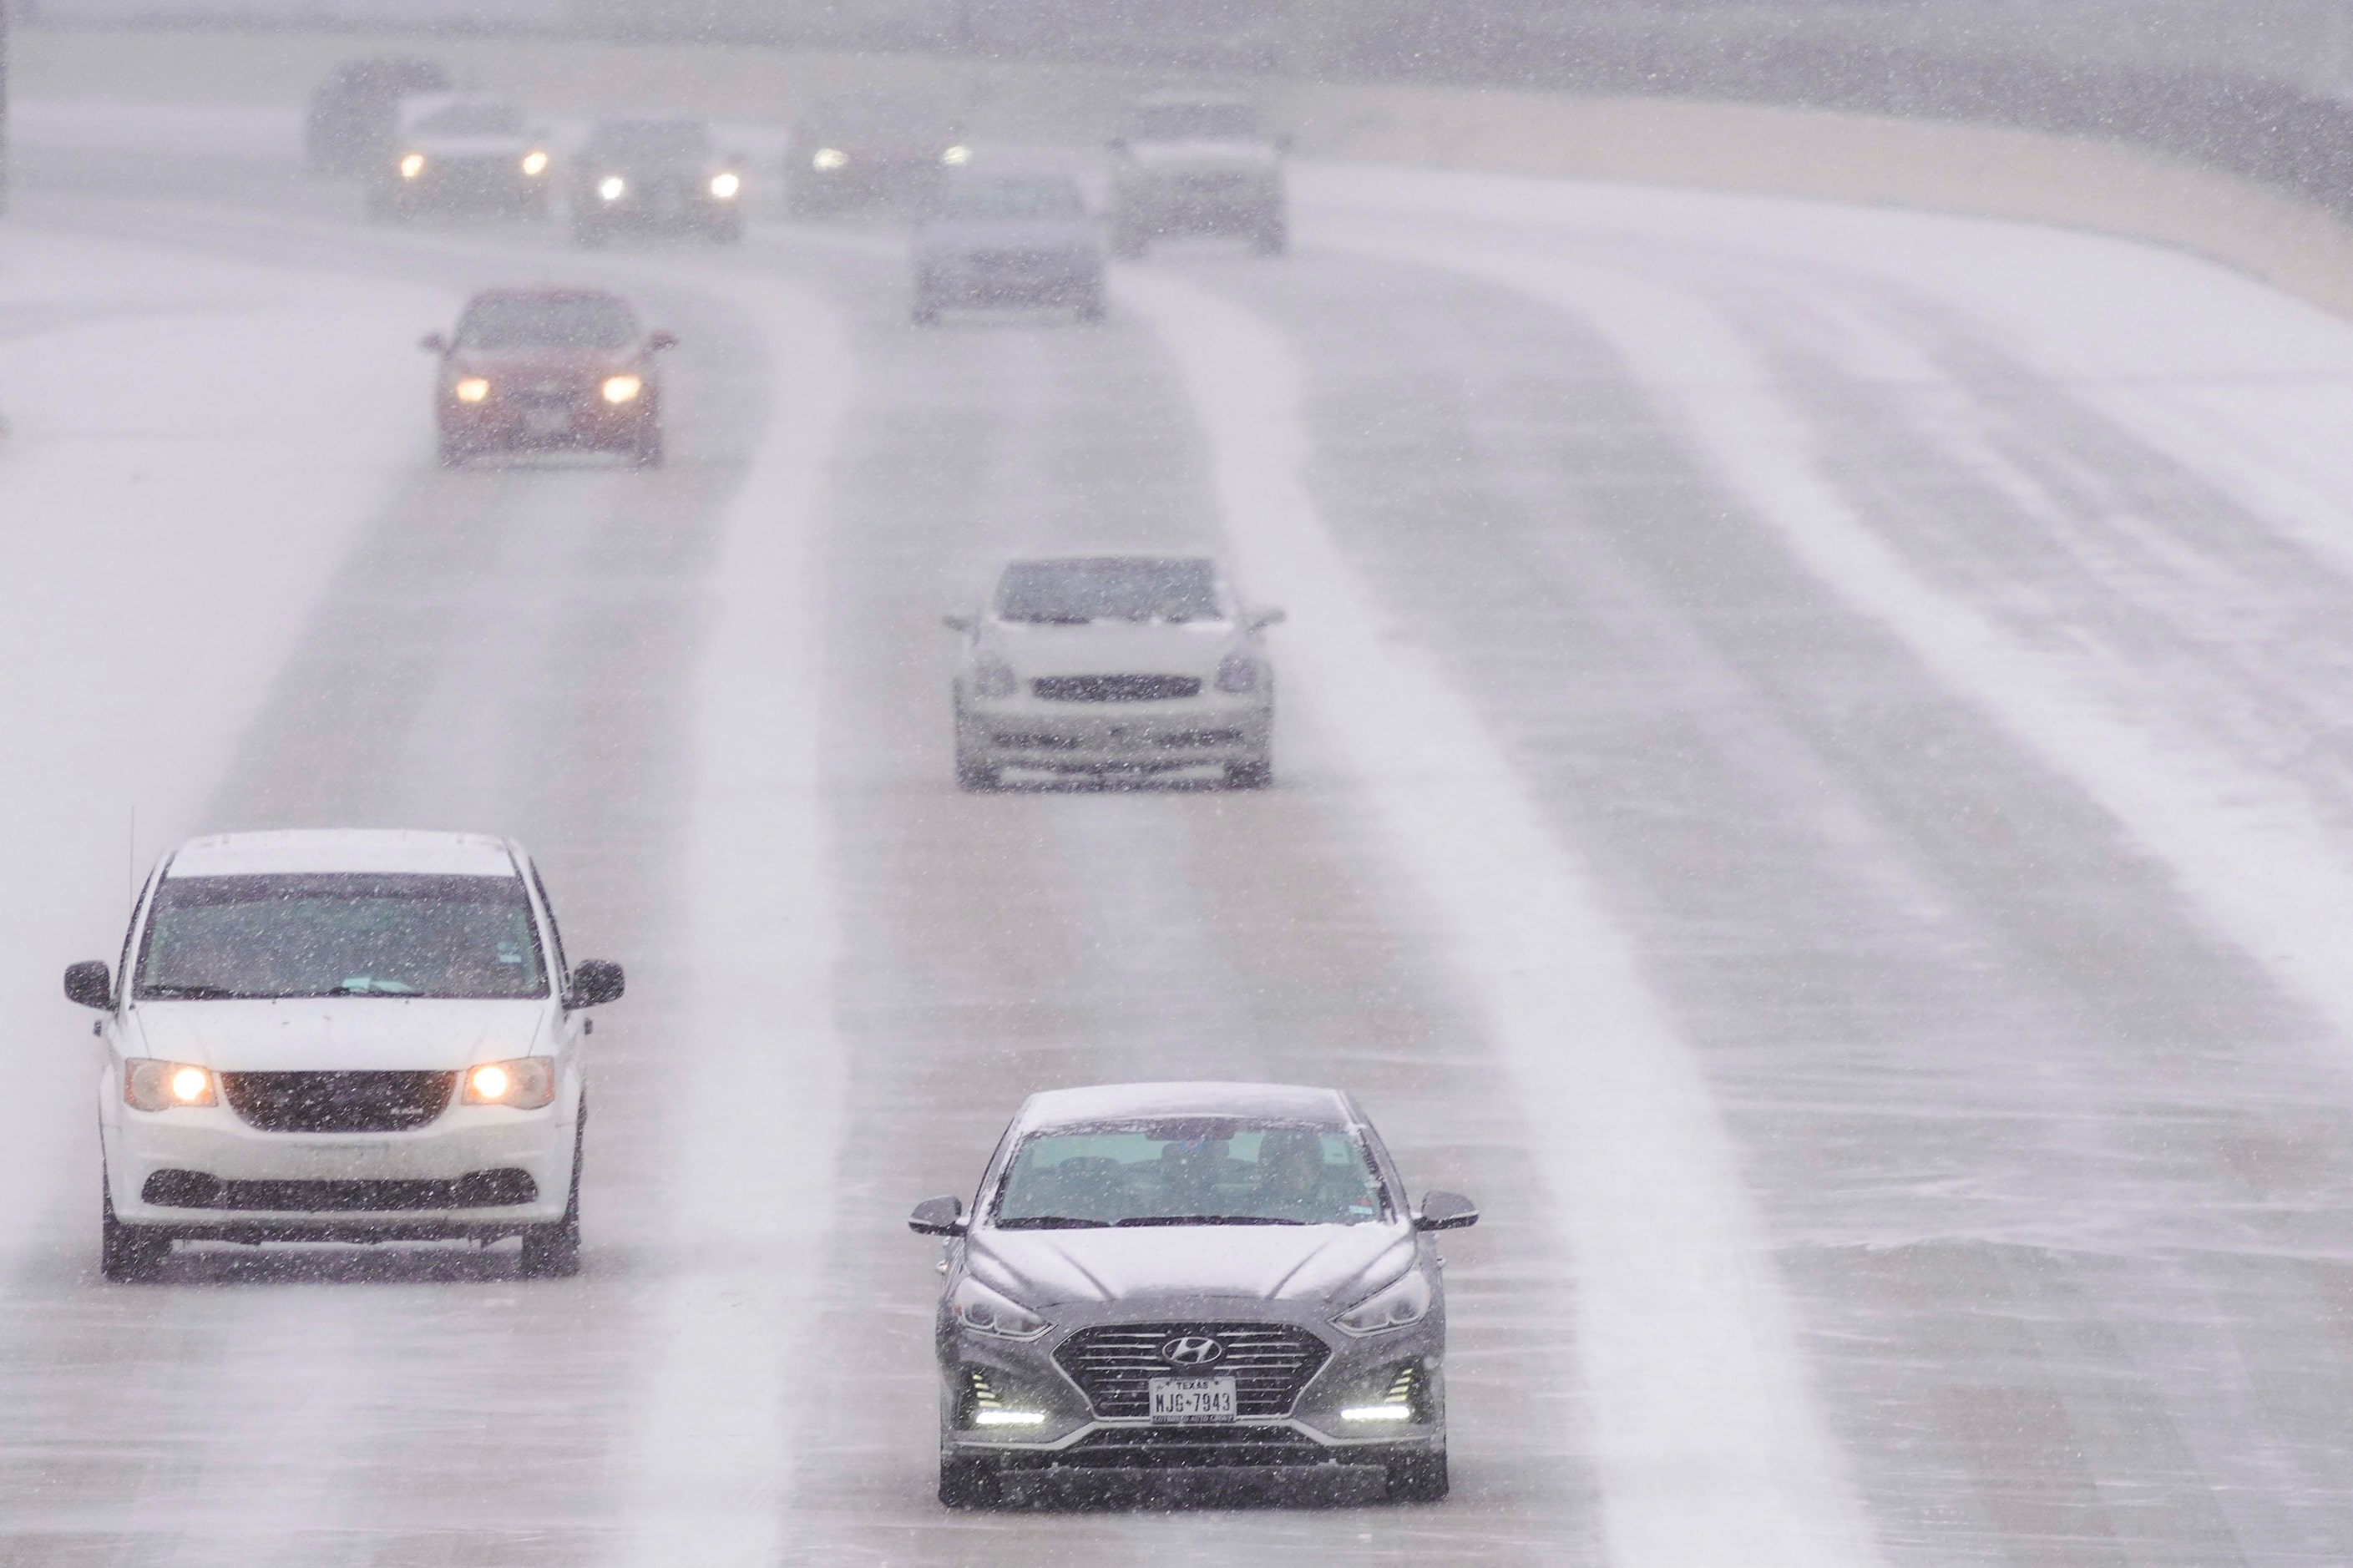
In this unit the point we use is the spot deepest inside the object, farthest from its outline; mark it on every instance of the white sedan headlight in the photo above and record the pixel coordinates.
(975, 1306)
(1392, 1307)
(992, 677)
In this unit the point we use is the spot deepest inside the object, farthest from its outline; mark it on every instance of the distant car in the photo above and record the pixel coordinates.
(867, 150)
(349, 126)
(1195, 163)
(549, 368)
(461, 152)
(1158, 1276)
(657, 175)
(1110, 665)
(1008, 239)
(355, 1036)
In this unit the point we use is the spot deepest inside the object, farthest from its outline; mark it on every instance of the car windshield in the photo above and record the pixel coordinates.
(340, 934)
(1115, 588)
(1012, 199)
(475, 119)
(522, 322)
(650, 138)
(875, 119)
(1189, 1170)
(1193, 122)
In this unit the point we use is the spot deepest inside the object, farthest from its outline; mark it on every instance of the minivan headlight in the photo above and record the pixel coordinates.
(992, 677)
(167, 1086)
(1391, 1307)
(1237, 672)
(975, 1306)
(526, 1083)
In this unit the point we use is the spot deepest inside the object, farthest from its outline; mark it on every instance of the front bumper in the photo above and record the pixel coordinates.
(660, 210)
(467, 186)
(574, 420)
(1097, 737)
(1174, 207)
(955, 279)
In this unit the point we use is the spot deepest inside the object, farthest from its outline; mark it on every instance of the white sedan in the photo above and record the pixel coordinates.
(1107, 665)
(354, 1036)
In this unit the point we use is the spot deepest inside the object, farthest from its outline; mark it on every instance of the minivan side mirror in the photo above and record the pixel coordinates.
(90, 984)
(957, 623)
(661, 340)
(1260, 620)
(1119, 145)
(1446, 1211)
(434, 343)
(594, 983)
(937, 1216)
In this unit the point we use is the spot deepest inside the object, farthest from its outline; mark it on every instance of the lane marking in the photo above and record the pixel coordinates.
(760, 1116)
(1709, 1443)
(2247, 848)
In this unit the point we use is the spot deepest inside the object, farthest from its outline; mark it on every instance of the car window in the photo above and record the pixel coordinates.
(874, 119)
(340, 934)
(471, 120)
(1193, 1170)
(1011, 199)
(1117, 588)
(650, 138)
(1193, 122)
(539, 322)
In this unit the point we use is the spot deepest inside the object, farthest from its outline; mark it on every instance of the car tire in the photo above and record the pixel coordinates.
(1272, 235)
(127, 1253)
(1257, 773)
(453, 453)
(926, 312)
(1091, 306)
(1418, 1477)
(1128, 241)
(552, 1251)
(968, 1482)
(648, 453)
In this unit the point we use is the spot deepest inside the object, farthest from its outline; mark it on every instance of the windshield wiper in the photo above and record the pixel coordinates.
(188, 991)
(1052, 1222)
(1208, 1219)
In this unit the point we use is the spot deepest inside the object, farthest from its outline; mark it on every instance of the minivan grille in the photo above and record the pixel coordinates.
(1269, 1363)
(338, 1101)
(1115, 688)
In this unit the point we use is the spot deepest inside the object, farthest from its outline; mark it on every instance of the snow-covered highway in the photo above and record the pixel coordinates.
(1813, 782)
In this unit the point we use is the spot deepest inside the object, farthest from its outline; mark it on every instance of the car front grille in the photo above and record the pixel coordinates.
(338, 1101)
(1115, 688)
(474, 1190)
(1156, 1448)
(1269, 1363)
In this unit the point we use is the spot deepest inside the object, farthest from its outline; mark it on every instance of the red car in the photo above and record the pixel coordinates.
(549, 368)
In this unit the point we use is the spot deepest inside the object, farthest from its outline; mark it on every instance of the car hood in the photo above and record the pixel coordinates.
(351, 1034)
(1114, 648)
(1336, 1263)
(1205, 157)
(544, 361)
(471, 146)
(1009, 233)
(654, 169)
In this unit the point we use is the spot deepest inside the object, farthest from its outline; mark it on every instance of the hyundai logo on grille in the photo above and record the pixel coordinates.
(1192, 1349)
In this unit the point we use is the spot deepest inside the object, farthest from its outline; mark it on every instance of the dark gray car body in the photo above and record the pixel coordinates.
(1117, 1298)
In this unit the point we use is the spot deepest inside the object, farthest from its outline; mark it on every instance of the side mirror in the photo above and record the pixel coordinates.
(89, 984)
(1119, 145)
(434, 343)
(957, 623)
(937, 1216)
(1282, 142)
(661, 340)
(1260, 620)
(1446, 1211)
(594, 983)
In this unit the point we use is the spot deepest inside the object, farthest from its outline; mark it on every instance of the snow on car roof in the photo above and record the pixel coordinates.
(345, 849)
(1119, 1101)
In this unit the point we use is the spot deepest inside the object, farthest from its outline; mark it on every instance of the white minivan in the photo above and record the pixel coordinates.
(343, 1036)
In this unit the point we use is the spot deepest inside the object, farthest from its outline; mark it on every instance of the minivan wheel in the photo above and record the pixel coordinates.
(968, 1482)
(128, 1253)
(1418, 1477)
(552, 1251)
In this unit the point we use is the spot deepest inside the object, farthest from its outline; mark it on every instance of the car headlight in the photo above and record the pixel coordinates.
(166, 1086)
(1391, 1307)
(956, 156)
(992, 677)
(829, 158)
(534, 162)
(612, 188)
(525, 1083)
(724, 185)
(622, 388)
(411, 165)
(1237, 672)
(975, 1306)
(471, 389)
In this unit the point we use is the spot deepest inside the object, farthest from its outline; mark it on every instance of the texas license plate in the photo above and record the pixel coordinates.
(1193, 1401)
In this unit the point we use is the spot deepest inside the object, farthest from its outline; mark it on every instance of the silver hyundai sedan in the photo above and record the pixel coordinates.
(1219, 1276)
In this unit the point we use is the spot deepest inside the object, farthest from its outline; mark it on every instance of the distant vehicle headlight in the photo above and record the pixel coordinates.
(525, 1083)
(622, 388)
(1392, 1307)
(830, 158)
(612, 188)
(975, 1306)
(471, 389)
(992, 677)
(956, 156)
(166, 1086)
(534, 162)
(411, 165)
(726, 185)
(1237, 672)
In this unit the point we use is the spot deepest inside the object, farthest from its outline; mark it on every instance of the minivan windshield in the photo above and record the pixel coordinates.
(1189, 1170)
(340, 934)
(1109, 588)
